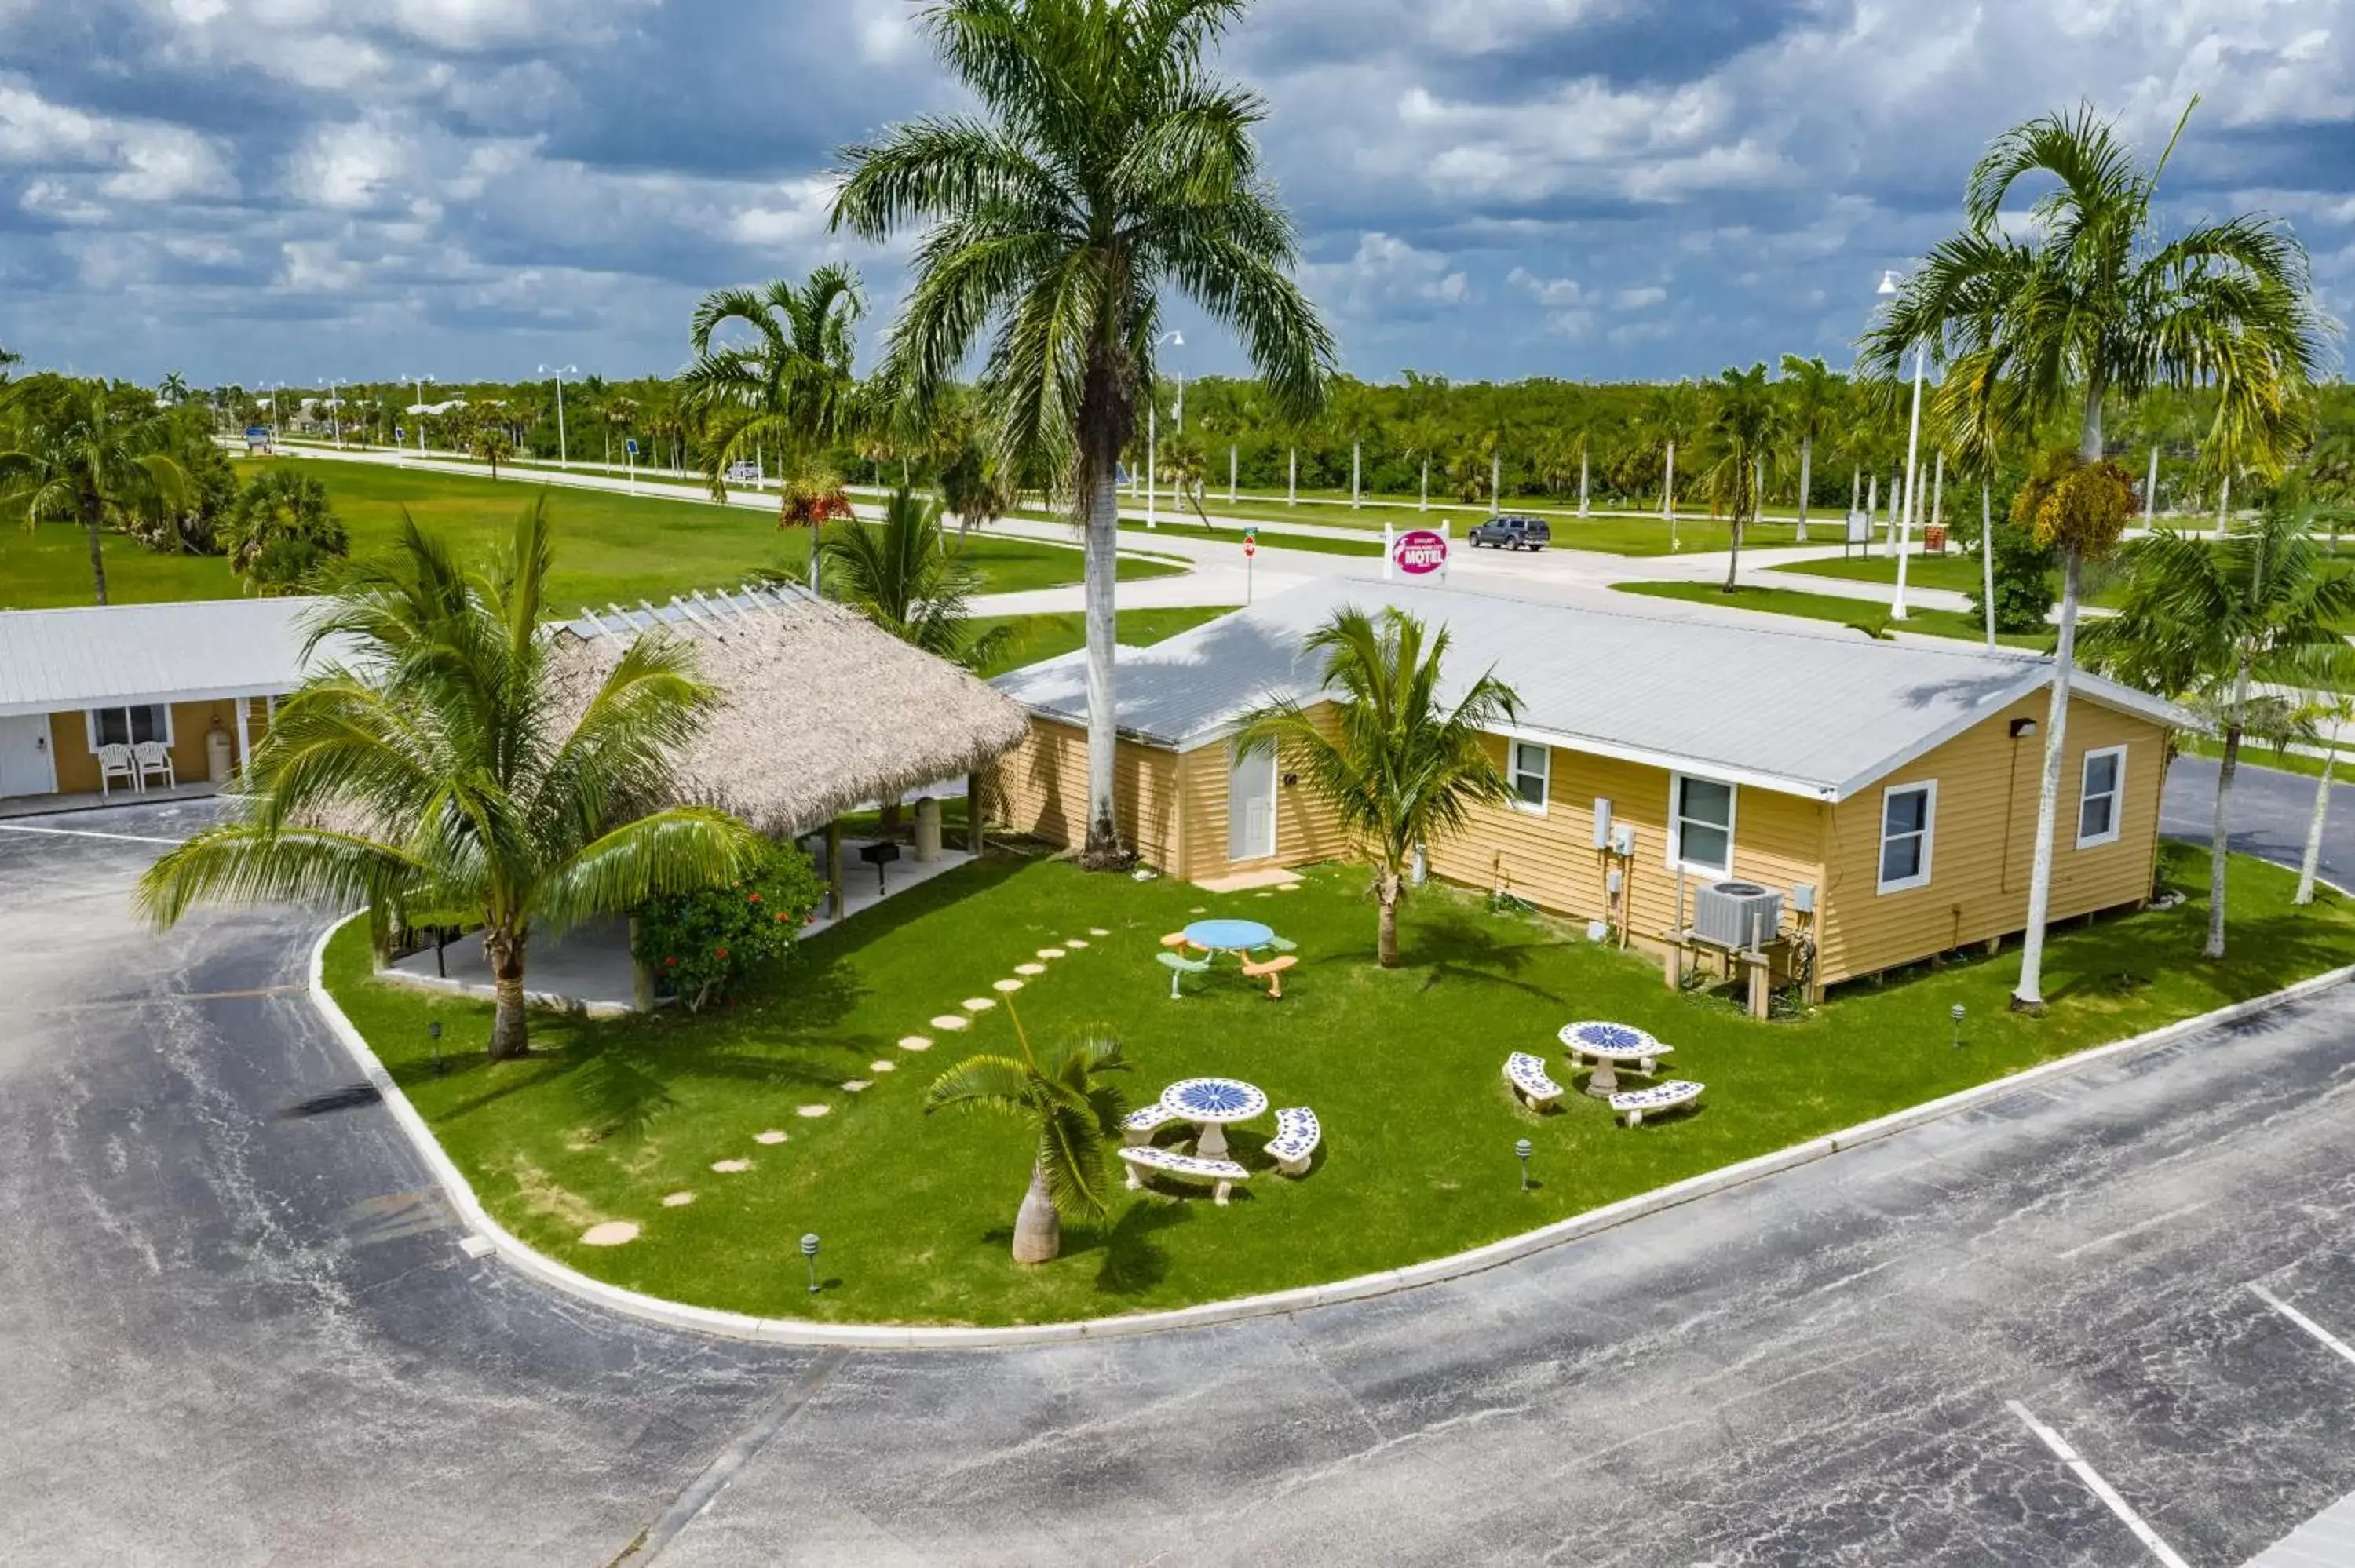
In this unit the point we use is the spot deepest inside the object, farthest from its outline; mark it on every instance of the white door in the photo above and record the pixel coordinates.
(25, 766)
(1251, 805)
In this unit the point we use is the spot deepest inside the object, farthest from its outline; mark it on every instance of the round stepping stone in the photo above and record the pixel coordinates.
(977, 1004)
(1198, 909)
(772, 1135)
(882, 1065)
(1098, 931)
(612, 1233)
(730, 1167)
(813, 1110)
(1289, 887)
(1008, 986)
(1264, 895)
(1029, 968)
(1050, 952)
(1075, 941)
(915, 1042)
(853, 1086)
(948, 1020)
(678, 1200)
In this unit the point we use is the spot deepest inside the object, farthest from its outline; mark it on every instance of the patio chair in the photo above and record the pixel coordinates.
(114, 762)
(1179, 966)
(153, 757)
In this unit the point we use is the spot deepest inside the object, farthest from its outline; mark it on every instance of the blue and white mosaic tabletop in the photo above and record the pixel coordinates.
(1215, 1100)
(1611, 1041)
(1227, 936)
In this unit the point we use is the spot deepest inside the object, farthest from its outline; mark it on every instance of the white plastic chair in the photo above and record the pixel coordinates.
(115, 762)
(154, 757)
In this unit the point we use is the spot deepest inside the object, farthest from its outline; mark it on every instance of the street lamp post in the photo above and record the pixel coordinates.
(561, 372)
(1152, 432)
(420, 409)
(1912, 459)
(273, 389)
(335, 408)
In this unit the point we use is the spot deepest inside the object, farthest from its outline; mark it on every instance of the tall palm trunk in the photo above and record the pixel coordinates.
(1668, 488)
(1037, 1229)
(1103, 846)
(1807, 479)
(1733, 559)
(1388, 888)
(510, 1030)
(2220, 828)
(2313, 860)
(1581, 484)
(1986, 560)
(93, 524)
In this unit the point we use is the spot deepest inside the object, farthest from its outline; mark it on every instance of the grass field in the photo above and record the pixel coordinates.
(1043, 636)
(1956, 572)
(1401, 1066)
(1828, 606)
(609, 546)
(1611, 535)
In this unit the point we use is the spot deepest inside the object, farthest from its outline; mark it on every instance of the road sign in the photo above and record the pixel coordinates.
(1251, 548)
(1420, 552)
(398, 435)
(631, 446)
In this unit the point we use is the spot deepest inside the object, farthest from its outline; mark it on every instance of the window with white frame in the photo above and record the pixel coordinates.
(128, 727)
(1700, 825)
(2101, 797)
(1532, 768)
(1908, 813)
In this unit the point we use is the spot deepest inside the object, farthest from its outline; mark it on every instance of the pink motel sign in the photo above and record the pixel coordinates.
(1418, 552)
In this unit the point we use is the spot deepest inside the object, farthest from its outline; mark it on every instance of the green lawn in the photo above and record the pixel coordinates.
(1955, 571)
(1613, 535)
(1402, 1067)
(611, 547)
(1828, 606)
(1043, 636)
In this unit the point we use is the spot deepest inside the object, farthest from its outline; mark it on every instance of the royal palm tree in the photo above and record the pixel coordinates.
(1108, 165)
(2085, 304)
(2323, 716)
(1672, 414)
(905, 576)
(792, 392)
(492, 443)
(1745, 421)
(1399, 767)
(1075, 1113)
(2207, 621)
(173, 389)
(1812, 396)
(80, 459)
(432, 764)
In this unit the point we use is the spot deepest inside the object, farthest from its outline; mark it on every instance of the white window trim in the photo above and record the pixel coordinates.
(2117, 796)
(1545, 777)
(1676, 861)
(1929, 837)
(89, 723)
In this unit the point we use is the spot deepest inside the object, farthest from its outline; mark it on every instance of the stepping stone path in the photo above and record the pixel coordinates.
(1029, 968)
(976, 1004)
(882, 1065)
(612, 1233)
(1264, 895)
(1008, 986)
(948, 1020)
(1050, 952)
(730, 1167)
(915, 1042)
(813, 1110)
(853, 1086)
(1075, 941)
(772, 1135)
(678, 1200)
(1098, 931)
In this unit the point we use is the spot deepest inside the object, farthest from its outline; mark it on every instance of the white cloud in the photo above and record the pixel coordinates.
(1386, 274)
(1640, 299)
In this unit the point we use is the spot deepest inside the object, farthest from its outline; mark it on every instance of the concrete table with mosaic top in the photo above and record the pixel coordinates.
(1210, 1104)
(1609, 1046)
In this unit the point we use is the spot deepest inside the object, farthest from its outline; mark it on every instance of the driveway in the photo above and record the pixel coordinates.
(239, 1327)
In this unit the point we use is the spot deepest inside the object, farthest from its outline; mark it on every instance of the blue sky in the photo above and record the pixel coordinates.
(258, 190)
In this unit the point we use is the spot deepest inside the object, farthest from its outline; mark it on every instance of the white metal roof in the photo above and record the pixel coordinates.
(54, 660)
(1787, 708)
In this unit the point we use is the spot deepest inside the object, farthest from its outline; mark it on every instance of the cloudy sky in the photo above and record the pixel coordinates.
(258, 190)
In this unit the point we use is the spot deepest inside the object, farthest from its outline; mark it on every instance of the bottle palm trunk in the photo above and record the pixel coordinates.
(1037, 1229)
(1389, 887)
(510, 1030)
(2312, 863)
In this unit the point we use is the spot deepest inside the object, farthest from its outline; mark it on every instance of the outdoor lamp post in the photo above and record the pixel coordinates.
(1956, 1013)
(1912, 457)
(559, 372)
(420, 409)
(809, 1254)
(335, 408)
(1152, 432)
(1524, 1148)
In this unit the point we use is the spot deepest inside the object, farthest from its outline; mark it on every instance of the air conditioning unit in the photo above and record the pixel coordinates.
(1736, 913)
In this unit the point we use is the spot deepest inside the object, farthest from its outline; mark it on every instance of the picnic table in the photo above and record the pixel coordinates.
(1225, 935)
(1210, 1104)
(1608, 1045)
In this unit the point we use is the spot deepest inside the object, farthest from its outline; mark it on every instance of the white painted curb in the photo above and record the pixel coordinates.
(858, 1336)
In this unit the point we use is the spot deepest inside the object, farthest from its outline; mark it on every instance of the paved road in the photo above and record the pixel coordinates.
(239, 1327)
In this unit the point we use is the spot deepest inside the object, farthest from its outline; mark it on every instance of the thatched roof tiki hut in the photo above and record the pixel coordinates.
(822, 711)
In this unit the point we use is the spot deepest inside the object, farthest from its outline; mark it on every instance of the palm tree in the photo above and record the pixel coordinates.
(2086, 304)
(281, 532)
(1402, 768)
(2207, 620)
(1745, 420)
(792, 392)
(1671, 414)
(1076, 1115)
(1812, 396)
(1108, 165)
(173, 389)
(434, 768)
(2324, 715)
(904, 575)
(80, 459)
(492, 443)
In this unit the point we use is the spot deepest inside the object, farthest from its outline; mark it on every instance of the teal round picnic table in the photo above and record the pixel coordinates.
(1227, 936)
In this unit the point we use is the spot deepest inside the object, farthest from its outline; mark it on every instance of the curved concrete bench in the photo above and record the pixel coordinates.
(1138, 1126)
(1222, 1174)
(1295, 1143)
(1636, 1103)
(1526, 1074)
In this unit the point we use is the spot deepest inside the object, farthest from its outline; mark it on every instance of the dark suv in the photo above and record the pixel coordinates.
(1517, 532)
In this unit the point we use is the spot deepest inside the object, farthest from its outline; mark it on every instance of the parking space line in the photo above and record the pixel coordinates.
(2337, 1346)
(2098, 1486)
(85, 833)
(2135, 1229)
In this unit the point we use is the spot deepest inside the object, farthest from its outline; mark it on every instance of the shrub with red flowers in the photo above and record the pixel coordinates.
(700, 944)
